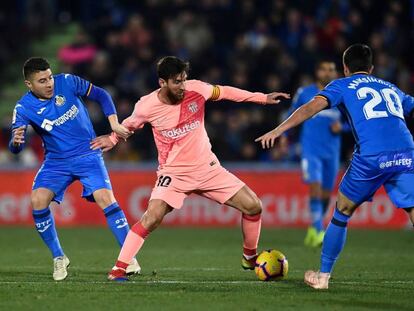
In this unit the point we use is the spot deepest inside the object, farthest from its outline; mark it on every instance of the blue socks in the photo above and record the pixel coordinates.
(325, 206)
(334, 241)
(316, 210)
(117, 222)
(45, 225)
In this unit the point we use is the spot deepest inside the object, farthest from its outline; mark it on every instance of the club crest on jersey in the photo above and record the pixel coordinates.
(60, 100)
(193, 107)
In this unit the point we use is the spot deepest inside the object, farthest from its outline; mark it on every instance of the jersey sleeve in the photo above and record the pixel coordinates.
(79, 86)
(137, 119)
(203, 88)
(333, 93)
(408, 104)
(19, 118)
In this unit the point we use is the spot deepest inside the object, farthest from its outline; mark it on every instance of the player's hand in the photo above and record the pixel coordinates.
(268, 140)
(336, 127)
(102, 142)
(18, 136)
(121, 130)
(274, 98)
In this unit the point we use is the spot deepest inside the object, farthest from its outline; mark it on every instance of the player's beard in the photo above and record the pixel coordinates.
(175, 98)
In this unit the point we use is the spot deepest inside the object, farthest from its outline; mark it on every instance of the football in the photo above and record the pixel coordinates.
(271, 265)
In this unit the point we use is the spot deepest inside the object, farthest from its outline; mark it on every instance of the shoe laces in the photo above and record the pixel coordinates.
(59, 263)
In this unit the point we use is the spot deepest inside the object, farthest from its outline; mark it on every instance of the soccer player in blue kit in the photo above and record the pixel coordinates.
(320, 141)
(54, 108)
(384, 149)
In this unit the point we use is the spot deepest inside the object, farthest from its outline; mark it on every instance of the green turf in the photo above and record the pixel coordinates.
(199, 269)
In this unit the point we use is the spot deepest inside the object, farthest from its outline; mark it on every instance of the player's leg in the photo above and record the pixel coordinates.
(135, 239)
(246, 201)
(116, 221)
(94, 177)
(169, 193)
(50, 184)
(312, 172)
(115, 217)
(326, 199)
(359, 184)
(44, 221)
(330, 170)
(333, 242)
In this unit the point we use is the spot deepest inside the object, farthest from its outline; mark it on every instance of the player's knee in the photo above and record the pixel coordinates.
(152, 219)
(345, 209)
(254, 206)
(38, 201)
(104, 198)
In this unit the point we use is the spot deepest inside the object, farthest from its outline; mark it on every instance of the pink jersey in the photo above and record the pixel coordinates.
(179, 132)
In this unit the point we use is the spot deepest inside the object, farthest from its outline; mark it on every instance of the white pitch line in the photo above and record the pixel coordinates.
(202, 282)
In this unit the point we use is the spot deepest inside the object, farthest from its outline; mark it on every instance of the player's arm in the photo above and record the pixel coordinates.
(135, 121)
(104, 99)
(19, 126)
(300, 115)
(238, 95)
(297, 101)
(82, 87)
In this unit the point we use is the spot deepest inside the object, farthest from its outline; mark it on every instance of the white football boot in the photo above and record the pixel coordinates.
(60, 268)
(317, 280)
(133, 268)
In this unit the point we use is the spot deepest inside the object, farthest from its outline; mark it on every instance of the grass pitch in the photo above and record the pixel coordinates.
(199, 269)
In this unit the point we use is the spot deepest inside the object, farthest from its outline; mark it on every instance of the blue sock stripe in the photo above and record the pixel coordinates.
(45, 226)
(43, 214)
(113, 211)
(117, 222)
(338, 223)
(340, 216)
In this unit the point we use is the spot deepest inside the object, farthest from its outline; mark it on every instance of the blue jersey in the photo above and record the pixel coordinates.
(316, 136)
(63, 121)
(375, 110)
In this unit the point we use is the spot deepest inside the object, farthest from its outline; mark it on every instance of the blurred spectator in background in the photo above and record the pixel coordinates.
(266, 45)
(77, 55)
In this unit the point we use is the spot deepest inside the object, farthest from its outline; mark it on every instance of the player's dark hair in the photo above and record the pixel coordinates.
(170, 66)
(33, 65)
(358, 57)
(323, 60)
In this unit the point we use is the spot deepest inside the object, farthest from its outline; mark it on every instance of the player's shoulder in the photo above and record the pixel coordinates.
(26, 100)
(196, 85)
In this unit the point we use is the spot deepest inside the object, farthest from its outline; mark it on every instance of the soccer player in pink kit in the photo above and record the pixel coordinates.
(186, 163)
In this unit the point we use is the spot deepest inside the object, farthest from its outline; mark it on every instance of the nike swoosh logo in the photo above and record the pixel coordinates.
(123, 225)
(44, 229)
(41, 110)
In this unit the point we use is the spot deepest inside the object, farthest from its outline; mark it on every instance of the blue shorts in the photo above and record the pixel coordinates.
(57, 174)
(366, 174)
(316, 169)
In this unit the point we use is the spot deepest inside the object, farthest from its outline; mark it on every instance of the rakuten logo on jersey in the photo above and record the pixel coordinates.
(181, 131)
(68, 115)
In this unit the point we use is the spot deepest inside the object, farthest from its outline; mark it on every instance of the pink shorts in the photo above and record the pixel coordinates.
(216, 183)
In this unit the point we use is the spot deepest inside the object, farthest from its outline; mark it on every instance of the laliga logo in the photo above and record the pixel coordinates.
(47, 125)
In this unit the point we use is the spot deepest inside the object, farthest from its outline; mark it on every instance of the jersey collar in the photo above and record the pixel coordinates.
(360, 73)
